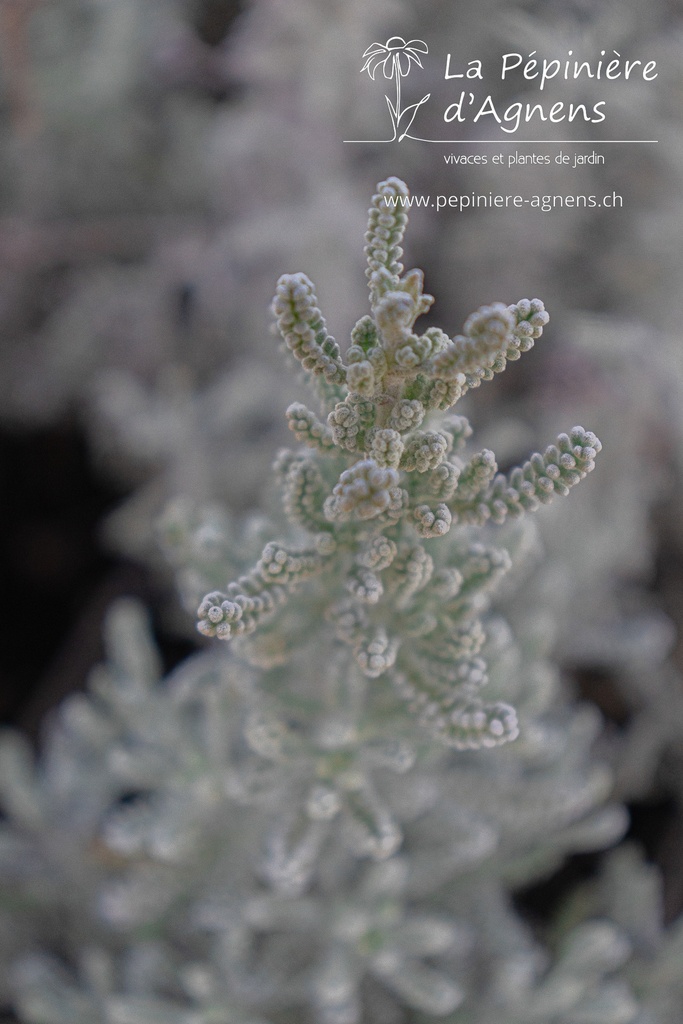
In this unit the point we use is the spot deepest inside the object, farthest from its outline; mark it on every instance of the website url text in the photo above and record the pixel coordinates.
(491, 200)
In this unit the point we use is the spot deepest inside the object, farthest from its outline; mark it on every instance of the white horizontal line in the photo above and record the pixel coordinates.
(537, 142)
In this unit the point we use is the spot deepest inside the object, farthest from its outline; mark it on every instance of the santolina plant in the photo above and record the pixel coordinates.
(324, 824)
(391, 499)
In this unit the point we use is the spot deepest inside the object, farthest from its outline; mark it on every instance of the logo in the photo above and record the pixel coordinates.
(395, 58)
(468, 104)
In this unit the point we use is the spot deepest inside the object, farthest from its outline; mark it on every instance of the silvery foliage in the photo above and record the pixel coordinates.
(289, 66)
(121, 315)
(369, 527)
(332, 832)
(119, 63)
(113, 333)
(142, 848)
(169, 438)
(233, 844)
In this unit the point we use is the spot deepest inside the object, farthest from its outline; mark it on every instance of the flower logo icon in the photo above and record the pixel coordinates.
(395, 57)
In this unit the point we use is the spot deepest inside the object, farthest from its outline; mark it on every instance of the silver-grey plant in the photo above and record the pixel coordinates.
(378, 493)
(324, 824)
